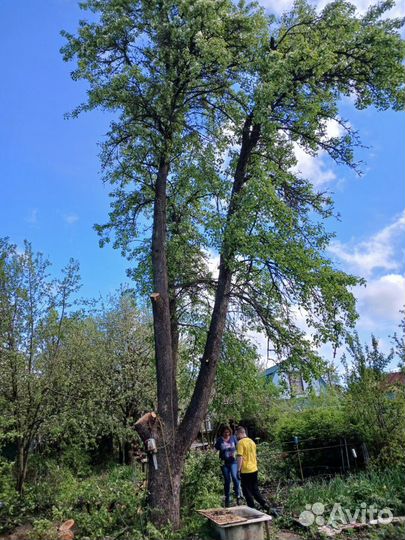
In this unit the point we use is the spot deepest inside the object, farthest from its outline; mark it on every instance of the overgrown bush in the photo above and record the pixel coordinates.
(106, 503)
(43, 529)
(10, 502)
(317, 424)
(321, 429)
(379, 488)
(202, 485)
(102, 504)
(373, 405)
(273, 465)
(378, 415)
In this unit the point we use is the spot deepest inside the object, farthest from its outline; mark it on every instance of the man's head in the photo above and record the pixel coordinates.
(240, 432)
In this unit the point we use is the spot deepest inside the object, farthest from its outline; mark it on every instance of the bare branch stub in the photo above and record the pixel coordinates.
(146, 426)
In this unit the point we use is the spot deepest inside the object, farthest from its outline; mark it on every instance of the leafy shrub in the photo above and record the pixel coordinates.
(320, 431)
(320, 424)
(107, 503)
(13, 506)
(102, 504)
(9, 498)
(76, 459)
(43, 529)
(273, 465)
(202, 485)
(388, 532)
(373, 405)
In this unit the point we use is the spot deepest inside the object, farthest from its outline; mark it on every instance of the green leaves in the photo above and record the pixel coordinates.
(224, 95)
(375, 409)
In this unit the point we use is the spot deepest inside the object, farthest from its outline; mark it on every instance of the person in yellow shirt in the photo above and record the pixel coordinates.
(247, 469)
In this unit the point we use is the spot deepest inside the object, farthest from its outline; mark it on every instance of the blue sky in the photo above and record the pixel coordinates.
(52, 192)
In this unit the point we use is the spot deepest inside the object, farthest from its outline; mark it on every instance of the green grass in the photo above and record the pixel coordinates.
(380, 489)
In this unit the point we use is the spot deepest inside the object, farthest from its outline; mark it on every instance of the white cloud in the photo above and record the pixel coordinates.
(32, 217)
(378, 252)
(313, 168)
(381, 259)
(334, 129)
(380, 301)
(71, 218)
(362, 5)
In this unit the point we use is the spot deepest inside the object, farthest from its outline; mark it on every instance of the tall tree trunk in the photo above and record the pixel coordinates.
(160, 301)
(175, 335)
(164, 488)
(174, 441)
(164, 481)
(22, 464)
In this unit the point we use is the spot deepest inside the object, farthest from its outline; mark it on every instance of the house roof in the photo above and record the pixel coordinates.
(271, 371)
(396, 377)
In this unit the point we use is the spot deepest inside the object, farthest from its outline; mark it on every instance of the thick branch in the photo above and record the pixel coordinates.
(197, 408)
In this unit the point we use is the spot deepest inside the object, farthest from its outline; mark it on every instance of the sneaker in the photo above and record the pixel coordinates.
(227, 503)
(239, 501)
(272, 512)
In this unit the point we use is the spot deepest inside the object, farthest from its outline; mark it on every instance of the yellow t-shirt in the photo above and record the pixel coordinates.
(247, 449)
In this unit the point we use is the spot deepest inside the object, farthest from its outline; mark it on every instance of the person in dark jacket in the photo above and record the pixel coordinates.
(226, 444)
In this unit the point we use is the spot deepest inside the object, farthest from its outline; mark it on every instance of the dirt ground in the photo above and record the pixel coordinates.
(20, 533)
(286, 535)
(386, 533)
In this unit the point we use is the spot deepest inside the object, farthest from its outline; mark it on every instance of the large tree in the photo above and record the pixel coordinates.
(209, 100)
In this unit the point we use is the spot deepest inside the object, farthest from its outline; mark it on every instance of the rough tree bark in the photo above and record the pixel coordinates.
(164, 482)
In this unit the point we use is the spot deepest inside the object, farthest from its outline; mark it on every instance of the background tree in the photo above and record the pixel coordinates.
(130, 371)
(210, 99)
(69, 377)
(398, 340)
(104, 380)
(374, 409)
(33, 311)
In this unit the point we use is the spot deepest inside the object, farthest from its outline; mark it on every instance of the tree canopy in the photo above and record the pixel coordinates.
(191, 81)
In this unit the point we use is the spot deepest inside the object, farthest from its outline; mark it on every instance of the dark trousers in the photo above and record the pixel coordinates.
(250, 489)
